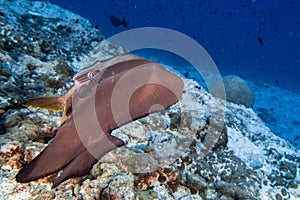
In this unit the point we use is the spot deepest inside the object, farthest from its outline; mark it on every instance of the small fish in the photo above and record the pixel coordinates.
(98, 103)
(186, 74)
(260, 40)
(117, 22)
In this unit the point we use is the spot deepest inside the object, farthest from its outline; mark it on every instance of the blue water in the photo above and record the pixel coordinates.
(257, 40)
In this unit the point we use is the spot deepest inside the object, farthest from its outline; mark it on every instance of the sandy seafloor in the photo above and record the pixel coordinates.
(249, 162)
(280, 110)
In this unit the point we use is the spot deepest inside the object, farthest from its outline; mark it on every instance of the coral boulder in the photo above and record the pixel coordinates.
(236, 89)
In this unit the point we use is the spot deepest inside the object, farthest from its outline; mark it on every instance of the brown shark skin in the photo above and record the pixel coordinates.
(67, 151)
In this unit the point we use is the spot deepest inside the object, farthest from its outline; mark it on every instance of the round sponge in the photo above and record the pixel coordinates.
(236, 89)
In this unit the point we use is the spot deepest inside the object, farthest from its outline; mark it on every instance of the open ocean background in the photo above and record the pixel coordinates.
(258, 40)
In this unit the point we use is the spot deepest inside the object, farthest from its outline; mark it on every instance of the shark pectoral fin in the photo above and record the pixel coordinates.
(83, 163)
(80, 166)
(63, 149)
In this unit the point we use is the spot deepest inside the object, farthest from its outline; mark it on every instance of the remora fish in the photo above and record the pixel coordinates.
(106, 96)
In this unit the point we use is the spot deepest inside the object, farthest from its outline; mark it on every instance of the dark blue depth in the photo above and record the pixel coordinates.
(257, 40)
